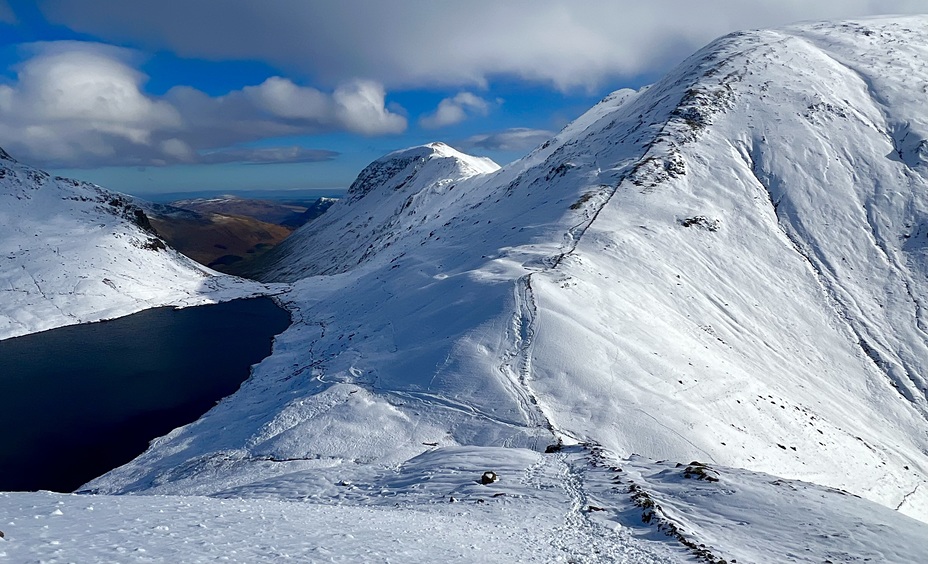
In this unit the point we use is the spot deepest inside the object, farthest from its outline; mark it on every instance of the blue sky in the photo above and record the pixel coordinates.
(183, 95)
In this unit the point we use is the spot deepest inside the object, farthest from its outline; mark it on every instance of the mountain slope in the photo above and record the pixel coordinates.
(727, 266)
(72, 252)
(751, 285)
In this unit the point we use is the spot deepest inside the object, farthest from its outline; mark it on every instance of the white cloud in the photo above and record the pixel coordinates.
(73, 100)
(281, 97)
(455, 110)
(77, 104)
(562, 42)
(356, 106)
(517, 139)
(178, 150)
(359, 108)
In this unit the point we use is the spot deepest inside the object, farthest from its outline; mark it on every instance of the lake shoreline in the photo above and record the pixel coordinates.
(83, 399)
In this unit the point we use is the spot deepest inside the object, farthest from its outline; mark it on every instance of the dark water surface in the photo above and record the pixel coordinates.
(78, 401)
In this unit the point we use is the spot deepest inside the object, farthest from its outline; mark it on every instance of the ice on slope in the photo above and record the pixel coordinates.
(72, 252)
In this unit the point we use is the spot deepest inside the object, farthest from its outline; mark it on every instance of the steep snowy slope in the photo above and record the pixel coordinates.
(755, 284)
(728, 266)
(72, 252)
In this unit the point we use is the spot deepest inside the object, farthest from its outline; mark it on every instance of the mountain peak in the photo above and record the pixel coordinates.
(395, 169)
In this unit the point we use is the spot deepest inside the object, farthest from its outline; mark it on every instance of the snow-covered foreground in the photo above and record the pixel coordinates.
(72, 252)
(575, 505)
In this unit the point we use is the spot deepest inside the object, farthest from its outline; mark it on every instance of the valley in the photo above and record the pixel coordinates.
(228, 233)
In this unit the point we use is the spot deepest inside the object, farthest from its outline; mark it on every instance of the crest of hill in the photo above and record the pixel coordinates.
(377, 211)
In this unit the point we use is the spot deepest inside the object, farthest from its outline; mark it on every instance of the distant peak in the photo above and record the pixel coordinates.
(4, 156)
(399, 167)
(442, 150)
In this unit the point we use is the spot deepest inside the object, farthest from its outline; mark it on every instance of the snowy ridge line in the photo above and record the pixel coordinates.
(568, 506)
(663, 136)
(651, 512)
(578, 531)
(906, 497)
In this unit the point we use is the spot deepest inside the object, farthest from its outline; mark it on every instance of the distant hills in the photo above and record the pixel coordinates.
(227, 233)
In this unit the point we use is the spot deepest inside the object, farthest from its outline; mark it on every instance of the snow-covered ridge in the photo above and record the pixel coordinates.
(396, 169)
(72, 252)
(724, 266)
(573, 505)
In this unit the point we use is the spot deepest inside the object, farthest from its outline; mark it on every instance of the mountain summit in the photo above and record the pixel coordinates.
(389, 198)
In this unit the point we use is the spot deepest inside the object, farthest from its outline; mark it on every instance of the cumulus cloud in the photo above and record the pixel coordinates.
(562, 42)
(517, 139)
(74, 100)
(359, 107)
(76, 104)
(455, 110)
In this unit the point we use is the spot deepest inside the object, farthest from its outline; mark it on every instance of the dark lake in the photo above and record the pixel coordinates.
(78, 401)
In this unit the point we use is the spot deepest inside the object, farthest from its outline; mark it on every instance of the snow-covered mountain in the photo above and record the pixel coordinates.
(72, 252)
(390, 198)
(726, 267)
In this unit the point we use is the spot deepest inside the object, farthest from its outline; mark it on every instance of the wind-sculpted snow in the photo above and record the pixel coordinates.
(72, 252)
(728, 266)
